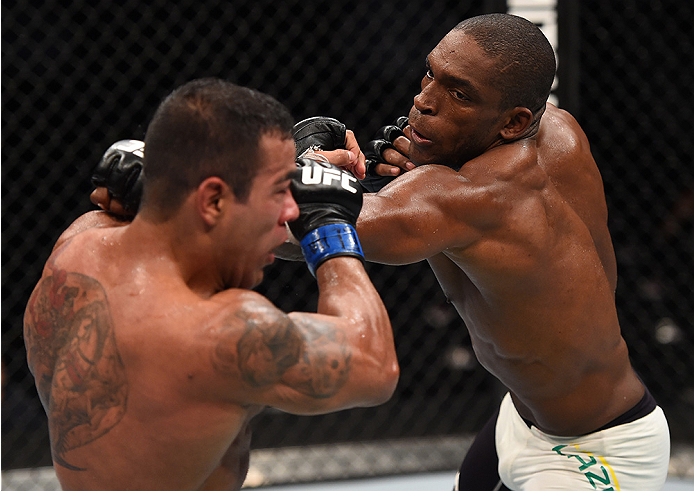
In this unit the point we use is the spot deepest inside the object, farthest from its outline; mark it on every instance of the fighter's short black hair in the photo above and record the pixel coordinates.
(208, 127)
(525, 57)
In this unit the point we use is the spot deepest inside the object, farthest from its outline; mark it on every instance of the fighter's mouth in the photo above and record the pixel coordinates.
(419, 138)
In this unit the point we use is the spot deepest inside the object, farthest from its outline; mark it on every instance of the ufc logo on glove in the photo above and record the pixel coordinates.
(317, 175)
(329, 201)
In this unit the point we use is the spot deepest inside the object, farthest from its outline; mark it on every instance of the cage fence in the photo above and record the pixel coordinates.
(77, 76)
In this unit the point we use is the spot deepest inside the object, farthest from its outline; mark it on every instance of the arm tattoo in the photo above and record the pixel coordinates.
(265, 351)
(72, 352)
(316, 352)
(325, 362)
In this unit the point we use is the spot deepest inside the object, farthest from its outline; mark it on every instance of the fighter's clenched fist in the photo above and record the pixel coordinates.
(329, 201)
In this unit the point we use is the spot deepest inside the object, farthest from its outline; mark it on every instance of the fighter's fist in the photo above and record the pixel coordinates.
(318, 133)
(325, 194)
(323, 138)
(383, 140)
(329, 200)
(120, 172)
(381, 170)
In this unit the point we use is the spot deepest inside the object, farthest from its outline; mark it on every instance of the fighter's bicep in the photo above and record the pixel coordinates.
(254, 344)
(420, 214)
(326, 359)
(294, 362)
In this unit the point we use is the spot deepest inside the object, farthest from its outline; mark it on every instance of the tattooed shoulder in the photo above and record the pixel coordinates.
(72, 352)
(264, 346)
(257, 342)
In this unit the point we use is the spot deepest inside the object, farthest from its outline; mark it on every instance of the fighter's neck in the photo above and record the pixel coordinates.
(529, 133)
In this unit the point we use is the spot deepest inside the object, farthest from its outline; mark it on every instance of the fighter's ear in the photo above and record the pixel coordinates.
(519, 119)
(211, 196)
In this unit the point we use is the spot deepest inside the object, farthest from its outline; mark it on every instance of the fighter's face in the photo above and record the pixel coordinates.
(457, 114)
(258, 225)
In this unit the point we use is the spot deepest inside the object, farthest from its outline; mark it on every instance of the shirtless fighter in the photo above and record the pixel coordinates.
(150, 352)
(507, 205)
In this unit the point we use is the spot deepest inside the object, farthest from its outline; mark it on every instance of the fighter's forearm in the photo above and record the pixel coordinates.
(346, 292)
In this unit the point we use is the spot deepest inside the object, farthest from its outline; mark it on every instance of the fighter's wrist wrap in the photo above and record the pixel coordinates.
(332, 240)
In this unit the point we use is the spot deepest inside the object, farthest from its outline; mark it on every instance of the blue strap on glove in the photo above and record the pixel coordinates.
(330, 240)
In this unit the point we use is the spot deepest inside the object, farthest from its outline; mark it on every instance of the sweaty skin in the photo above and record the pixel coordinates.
(151, 354)
(517, 239)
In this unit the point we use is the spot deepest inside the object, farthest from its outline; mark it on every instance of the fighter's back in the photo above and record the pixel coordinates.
(111, 368)
(564, 153)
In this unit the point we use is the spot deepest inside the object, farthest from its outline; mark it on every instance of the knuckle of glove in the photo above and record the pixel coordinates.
(373, 151)
(389, 133)
(319, 131)
(401, 122)
(120, 171)
(133, 191)
(383, 139)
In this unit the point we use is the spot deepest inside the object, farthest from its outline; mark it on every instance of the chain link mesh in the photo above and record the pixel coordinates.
(635, 99)
(77, 76)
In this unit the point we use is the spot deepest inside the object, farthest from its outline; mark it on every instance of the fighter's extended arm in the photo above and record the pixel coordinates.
(422, 213)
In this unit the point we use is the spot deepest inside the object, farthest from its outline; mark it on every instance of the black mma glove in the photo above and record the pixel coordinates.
(319, 133)
(329, 202)
(373, 152)
(120, 172)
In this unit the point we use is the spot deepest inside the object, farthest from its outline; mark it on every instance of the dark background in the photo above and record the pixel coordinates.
(77, 76)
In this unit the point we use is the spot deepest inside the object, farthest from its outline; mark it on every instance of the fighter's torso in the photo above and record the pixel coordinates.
(536, 291)
(122, 382)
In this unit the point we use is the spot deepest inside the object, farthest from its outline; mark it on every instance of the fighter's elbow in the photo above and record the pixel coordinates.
(391, 375)
(383, 382)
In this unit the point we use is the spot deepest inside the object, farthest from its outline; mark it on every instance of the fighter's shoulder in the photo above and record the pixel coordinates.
(88, 221)
(504, 166)
(560, 131)
(556, 114)
(217, 322)
(238, 305)
(421, 181)
(438, 185)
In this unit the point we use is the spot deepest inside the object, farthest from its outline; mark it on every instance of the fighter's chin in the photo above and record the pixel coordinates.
(419, 157)
(252, 281)
(260, 273)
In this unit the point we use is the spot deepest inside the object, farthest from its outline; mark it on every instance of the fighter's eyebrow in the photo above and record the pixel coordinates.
(285, 177)
(454, 81)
